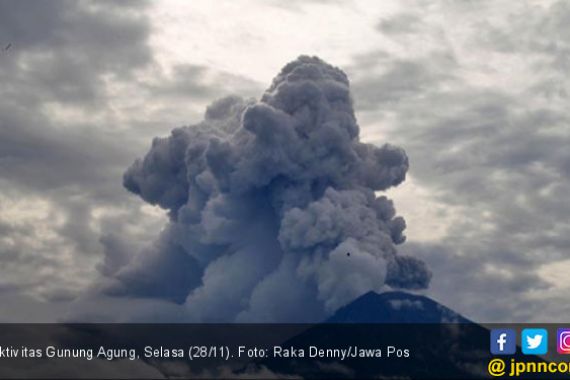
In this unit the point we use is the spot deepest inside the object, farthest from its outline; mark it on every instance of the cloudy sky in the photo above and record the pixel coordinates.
(475, 92)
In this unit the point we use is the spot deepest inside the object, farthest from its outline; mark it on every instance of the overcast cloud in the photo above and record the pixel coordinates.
(475, 92)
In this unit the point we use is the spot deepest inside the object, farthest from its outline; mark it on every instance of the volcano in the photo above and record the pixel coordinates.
(395, 307)
(441, 343)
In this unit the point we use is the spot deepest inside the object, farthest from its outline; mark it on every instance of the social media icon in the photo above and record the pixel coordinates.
(503, 342)
(563, 341)
(534, 341)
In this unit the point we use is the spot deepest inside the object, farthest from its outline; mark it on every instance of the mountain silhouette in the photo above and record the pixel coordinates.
(442, 344)
(395, 307)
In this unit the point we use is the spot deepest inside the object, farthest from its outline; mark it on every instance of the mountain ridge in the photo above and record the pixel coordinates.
(441, 343)
(395, 307)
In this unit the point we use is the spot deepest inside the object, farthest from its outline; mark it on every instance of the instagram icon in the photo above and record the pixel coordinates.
(563, 341)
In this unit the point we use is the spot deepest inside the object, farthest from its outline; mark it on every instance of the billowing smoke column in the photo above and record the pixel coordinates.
(273, 212)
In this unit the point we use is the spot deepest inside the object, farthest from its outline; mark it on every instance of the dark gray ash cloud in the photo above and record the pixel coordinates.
(70, 69)
(478, 99)
(265, 200)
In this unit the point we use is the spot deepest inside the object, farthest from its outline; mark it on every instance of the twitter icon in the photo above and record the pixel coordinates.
(534, 341)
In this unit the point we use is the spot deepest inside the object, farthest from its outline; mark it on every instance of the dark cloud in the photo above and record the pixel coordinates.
(271, 194)
(402, 23)
(61, 49)
(463, 279)
(61, 58)
(198, 82)
(540, 32)
(479, 100)
(400, 79)
(30, 252)
(74, 172)
(70, 71)
(489, 147)
(38, 155)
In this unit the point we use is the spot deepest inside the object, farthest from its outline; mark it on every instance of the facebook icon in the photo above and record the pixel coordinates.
(503, 342)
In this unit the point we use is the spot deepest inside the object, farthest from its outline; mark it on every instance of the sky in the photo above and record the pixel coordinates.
(475, 92)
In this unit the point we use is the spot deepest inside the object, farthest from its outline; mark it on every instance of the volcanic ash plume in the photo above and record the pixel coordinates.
(272, 205)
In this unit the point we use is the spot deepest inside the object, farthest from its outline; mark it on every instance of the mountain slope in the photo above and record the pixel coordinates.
(442, 344)
(395, 307)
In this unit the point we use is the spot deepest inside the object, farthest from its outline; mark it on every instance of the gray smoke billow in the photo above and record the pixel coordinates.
(272, 205)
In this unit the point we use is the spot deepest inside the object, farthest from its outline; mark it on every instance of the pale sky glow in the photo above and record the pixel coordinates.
(475, 92)
(253, 39)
